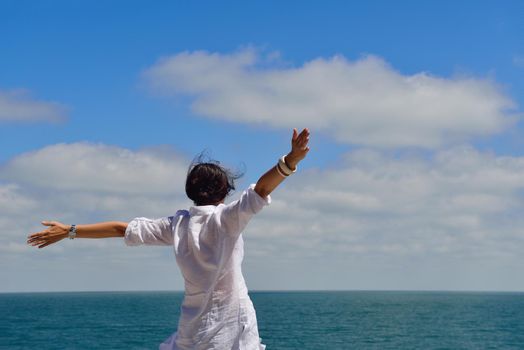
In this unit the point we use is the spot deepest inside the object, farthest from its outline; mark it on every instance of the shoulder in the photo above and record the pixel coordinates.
(181, 213)
(179, 216)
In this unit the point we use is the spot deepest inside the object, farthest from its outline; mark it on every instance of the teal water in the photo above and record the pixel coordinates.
(287, 320)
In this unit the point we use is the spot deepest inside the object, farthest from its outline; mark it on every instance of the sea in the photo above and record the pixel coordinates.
(286, 320)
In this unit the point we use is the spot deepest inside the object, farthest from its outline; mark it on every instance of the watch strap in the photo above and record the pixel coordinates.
(72, 232)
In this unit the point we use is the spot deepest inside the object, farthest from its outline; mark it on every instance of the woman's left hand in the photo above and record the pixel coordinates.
(56, 231)
(299, 147)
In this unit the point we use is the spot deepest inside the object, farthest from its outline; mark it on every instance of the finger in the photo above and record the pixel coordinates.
(35, 236)
(39, 236)
(48, 223)
(305, 132)
(48, 242)
(34, 244)
(304, 141)
(295, 134)
(37, 242)
(39, 233)
(303, 135)
(299, 138)
(32, 239)
(40, 242)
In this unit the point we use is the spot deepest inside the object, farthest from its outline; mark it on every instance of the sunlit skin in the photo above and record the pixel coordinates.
(56, 231)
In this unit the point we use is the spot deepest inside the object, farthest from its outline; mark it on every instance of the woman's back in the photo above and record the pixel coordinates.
(216, 312)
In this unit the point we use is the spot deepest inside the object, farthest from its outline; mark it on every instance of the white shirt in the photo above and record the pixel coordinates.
(217, 312)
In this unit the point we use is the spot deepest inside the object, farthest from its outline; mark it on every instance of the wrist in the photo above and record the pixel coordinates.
(71, 233)
(291, 161)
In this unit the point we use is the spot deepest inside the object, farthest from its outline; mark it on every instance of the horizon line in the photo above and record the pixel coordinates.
(274, 291)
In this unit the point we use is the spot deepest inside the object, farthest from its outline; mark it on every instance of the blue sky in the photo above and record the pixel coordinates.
(89, 57)
(112, 74)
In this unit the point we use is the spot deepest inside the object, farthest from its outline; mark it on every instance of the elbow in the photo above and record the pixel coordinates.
(120, 229)
(262, 192)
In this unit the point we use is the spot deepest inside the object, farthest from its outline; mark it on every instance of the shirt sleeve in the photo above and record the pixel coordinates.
(144, 231)
(235, 216)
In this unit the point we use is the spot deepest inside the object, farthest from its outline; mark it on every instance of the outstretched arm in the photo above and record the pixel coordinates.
(56, 231)
(272, 178)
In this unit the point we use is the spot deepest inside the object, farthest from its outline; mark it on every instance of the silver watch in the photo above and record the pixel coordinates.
(72, 232)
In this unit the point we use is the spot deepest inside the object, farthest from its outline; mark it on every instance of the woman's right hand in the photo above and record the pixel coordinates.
(299, 148)
(56, 231)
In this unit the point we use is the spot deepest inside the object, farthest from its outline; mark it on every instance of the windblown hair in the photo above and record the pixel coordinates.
(208, 182)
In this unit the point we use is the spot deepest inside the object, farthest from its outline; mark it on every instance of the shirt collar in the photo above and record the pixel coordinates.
(202, 209)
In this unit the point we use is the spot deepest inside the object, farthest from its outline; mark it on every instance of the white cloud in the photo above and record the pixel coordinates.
(364, 102)
(458, 194)
(84, 183)
(12, 201)
(98, 168)
(374, 221)
(19, 106)
(456, 211)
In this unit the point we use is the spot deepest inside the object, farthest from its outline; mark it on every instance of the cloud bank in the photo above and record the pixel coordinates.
(98, 168)
(453, 222)
(374, 221)
(461, 202)
(364, 102)
(19, 106)
(85, 183)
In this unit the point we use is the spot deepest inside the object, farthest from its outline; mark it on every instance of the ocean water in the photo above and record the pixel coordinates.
(287, 320)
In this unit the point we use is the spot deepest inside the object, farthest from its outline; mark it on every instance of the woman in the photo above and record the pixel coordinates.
(217, 312)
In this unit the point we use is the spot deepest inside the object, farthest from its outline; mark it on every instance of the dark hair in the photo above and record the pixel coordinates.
(208, 182)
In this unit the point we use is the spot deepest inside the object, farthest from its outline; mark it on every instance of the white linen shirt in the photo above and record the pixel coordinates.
(216, 312)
